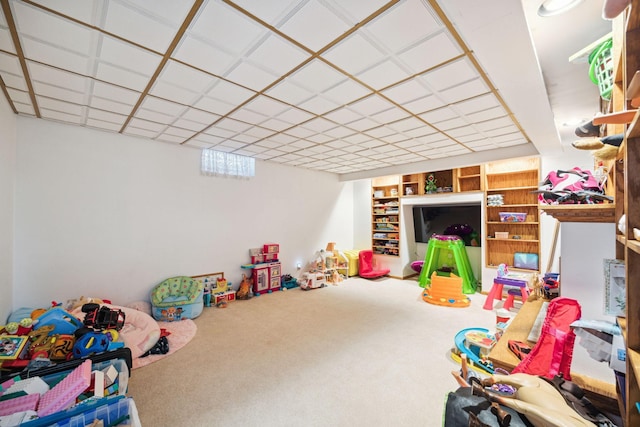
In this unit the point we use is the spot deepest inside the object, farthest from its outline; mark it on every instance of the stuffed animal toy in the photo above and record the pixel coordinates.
(244, 291)
(605, 148)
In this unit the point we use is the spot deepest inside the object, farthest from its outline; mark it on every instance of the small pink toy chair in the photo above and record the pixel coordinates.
(367, 269)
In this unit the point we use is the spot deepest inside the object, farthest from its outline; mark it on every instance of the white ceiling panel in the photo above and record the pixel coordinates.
(37, 24)
(56, 56)
(14, 81)
(314, 25)
(207, 57)
(403, 25)
(55, 92)
(429, 53)
(132, 23)
(107, 117)
(6, 43)
(127, 56)
(118, 76)
(386, 83)
(223, 25)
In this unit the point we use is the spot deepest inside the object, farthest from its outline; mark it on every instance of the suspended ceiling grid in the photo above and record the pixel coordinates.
(335, 86)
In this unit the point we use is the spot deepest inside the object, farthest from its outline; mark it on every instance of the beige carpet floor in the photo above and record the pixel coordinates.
(362, 353)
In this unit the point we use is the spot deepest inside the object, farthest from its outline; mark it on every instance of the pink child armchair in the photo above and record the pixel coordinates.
(367, 268)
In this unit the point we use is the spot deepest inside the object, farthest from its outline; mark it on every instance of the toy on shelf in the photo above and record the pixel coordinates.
(448, 251)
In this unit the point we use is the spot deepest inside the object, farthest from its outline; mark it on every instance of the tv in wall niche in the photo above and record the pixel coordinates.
(435, 219)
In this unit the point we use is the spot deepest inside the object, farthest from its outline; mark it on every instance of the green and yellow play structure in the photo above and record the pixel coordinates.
(448, 251)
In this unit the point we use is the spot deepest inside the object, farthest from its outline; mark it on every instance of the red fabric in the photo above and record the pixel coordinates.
(366, 267)
(553, 352)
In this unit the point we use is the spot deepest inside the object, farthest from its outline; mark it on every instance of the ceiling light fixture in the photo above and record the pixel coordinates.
(556, 7)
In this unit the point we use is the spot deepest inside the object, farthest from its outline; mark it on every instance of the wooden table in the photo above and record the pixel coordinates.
(601, 393)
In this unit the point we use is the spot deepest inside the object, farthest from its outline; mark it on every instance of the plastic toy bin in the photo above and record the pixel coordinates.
(513, 216)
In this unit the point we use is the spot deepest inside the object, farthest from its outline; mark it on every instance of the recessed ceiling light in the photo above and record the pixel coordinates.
(556, 7)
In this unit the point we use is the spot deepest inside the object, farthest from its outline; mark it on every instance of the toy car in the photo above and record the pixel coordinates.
(103, 317)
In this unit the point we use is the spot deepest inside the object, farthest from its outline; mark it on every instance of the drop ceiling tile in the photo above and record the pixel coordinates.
(412, 16)
(230, 143)
(127, 56)
(232, 125)
(339, 132)
(494, 124)
(129, 22)
(9, 63)
(185, 77)
(25, 108)
(106, 117)
(380, 132)
(98, 124)
(282, 139)
(394, 138)
(243, 137)
(203, 55)
(383, 74)
(174, 93)
(476, 104)
(5, 39)
(259, 132)
(346, 92)
(124, 78)
(317, 149)
(60, 116)
(438, 115)
(450, 75)
(299, 132)
(248, 116)
(464, 131)
(353, 148)
(409, 143)
(355, 54)
(429, 53)
(170, 109)
(57, 57)
(480, 145)
(189, 124)
(115, 93)
(407, 91)
(317, 77)
(356, 138)
(371, 105)
(319, 125)
(363, 124)
(199, 116)
(14, 81)
(266, 106)
(294, 116)
(137, 123)
(319, 138)
(213, 105)
(276, 125)
(301, 143)
(318, 105)
(343, 116)
(250, 75)
(80, 10)
(278, 55)
(267, 143)
(390, 115)
(453, 123)
(37, 24)
(419, 132)
(55, 92)
(406, 124)
(472, 137)
(289, 92)
(164, 137)
(218, 22)
(372, 143)
(55, 105)
(19, 96)
(271, 12)
(252, 149)
(492, 113)
(314, 25)
(207, 139)
(54, 77)
(464, 91)
(288, 148)
(197, 144)
(424, 104)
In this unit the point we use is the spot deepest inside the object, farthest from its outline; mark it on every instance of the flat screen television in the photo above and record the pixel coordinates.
(435, 219)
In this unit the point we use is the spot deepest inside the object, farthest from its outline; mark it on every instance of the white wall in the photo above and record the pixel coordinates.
(109, 216)
(7, 186)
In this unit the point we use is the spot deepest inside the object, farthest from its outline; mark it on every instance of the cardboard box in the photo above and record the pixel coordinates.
(618, 361)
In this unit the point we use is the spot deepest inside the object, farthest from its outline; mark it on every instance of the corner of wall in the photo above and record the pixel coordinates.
(8, 140)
